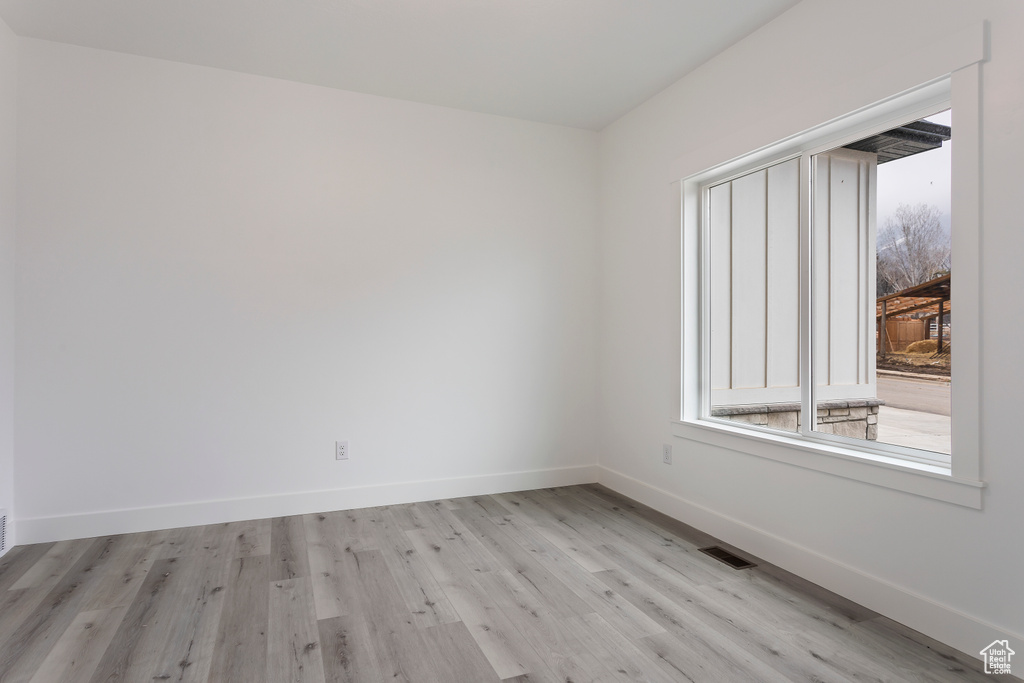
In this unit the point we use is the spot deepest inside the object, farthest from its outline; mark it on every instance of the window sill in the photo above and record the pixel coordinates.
(929, 481)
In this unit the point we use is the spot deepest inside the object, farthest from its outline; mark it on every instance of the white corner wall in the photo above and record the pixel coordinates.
(949, 571)
(8, 213)
(220, 275)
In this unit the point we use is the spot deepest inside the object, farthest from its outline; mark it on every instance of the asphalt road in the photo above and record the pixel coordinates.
(914, 394)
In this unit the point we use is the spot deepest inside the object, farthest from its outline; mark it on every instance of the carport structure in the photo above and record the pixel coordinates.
(921, 302)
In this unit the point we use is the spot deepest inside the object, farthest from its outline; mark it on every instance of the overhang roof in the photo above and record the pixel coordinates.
(904, 141)
(922, 300)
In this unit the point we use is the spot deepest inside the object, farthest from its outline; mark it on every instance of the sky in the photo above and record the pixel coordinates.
(920, 179)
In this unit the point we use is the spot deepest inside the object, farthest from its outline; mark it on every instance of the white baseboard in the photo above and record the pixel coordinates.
(87, 525)
(943, 623)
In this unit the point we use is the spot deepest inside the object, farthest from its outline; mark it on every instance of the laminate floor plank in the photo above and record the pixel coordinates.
(523, 507)
(792, 585)
(575, 547)
(379, 598)
(623, 509)
(591, 521)
(331, 564)
(601, 525)
(293, 637)
(467, 546)
(422, 515)
(185, 541)
(488, 506)
(625, 519)
(17, 605)
(653, 570)
(77, 653)
(170, 628)
(240, 649)
(695, 536)
(558, 529)
(424, 598)
(348, 652)
(621, 659)
(53, 565)
(193, 611)
(640, 522)
(398, 645)
(455, 656)
(616, 610)
(504, 647)
(700, 659)
(18, 560)
(548, 635)
(570, 584)
(131, 652)
(351, 527)
(786, 581)
(404, 517)
(23, 652)
(248, 538)
(765, 593)
(120, 582)
(803, 628)
(916, 657)
(290, 559)
(560, 599)
(766, 644)
(693, 647)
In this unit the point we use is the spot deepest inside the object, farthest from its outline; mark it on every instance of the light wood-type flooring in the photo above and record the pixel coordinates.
(556, 585)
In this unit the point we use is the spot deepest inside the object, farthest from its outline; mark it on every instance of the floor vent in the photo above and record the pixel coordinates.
(723, 555)
(3, 531)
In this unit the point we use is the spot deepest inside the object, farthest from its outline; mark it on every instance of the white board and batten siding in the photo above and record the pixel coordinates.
(844, 246)
(755, 281)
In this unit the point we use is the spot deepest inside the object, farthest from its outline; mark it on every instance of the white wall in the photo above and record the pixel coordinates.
(908, 556)
(219, 275)
(8, 209)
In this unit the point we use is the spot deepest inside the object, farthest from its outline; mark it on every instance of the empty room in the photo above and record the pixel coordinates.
(463, 340)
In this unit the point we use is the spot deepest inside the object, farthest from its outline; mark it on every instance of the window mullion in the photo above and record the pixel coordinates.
(807, 406)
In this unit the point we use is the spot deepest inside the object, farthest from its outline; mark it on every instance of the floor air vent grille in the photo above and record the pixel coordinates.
(723, 555)
(3, 531)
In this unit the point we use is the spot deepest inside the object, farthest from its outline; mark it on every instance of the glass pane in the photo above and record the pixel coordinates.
(881, 256)
(754, 224)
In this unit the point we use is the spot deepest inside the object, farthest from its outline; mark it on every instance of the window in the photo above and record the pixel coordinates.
(784, 302)
(878, 226)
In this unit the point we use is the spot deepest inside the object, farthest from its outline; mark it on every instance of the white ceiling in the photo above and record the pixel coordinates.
(578, 63)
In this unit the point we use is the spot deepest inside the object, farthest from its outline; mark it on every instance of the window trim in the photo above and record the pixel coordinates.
(960, 483)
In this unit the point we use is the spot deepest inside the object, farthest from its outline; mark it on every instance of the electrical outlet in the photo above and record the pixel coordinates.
(341, 450)
(666, 454)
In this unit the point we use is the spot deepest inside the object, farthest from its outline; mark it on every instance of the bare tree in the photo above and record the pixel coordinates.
(912, 248)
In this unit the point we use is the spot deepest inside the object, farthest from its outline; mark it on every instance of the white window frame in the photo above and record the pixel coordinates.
(937, 98)
(959, 482)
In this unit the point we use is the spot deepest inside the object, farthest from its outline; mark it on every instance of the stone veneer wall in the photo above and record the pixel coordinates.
(856, 418)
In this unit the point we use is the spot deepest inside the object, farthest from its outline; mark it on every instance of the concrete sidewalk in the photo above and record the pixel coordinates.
(915, 394)
(927, 431)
